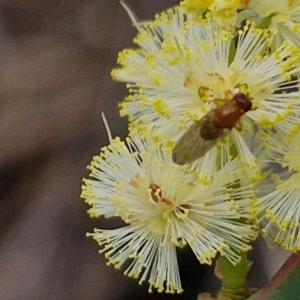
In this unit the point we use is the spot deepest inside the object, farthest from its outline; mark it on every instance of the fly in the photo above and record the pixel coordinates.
(210, 129)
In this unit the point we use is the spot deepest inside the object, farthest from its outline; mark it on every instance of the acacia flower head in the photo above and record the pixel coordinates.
(184, 68)
(224, 12)
(163, 206)
(279, 216)
(282, 17)
(196, 6)
(279, 200)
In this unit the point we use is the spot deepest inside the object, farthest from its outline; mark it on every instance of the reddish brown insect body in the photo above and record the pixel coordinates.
(204, 134)
(227, 115)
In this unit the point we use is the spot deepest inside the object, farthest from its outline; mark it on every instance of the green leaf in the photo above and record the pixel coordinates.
(285, 285)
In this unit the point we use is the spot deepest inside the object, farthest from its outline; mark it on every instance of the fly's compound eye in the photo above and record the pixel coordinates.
(243, 101)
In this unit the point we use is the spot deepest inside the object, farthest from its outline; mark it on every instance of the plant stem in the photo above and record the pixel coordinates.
(233, 278)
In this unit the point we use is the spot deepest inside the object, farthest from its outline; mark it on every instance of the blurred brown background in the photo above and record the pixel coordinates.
(55, 60)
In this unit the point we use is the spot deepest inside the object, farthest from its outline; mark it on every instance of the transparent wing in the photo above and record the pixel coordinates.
(191, 145)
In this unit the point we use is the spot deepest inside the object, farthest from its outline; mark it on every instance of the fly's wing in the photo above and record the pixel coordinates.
(197, 140)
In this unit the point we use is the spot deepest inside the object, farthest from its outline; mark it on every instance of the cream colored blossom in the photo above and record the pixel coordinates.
(281, 17)
(196, 6)
(183, 68)
(285, 151)
(279, 215)
(164, 206)
(224, 12)
(279, 194)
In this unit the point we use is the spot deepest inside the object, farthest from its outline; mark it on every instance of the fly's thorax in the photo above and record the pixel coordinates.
(227, 115)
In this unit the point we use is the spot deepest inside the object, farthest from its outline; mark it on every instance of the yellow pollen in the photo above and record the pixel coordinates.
(161, 107)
